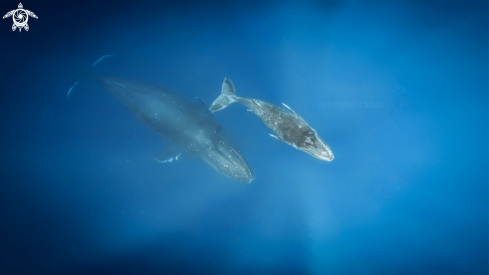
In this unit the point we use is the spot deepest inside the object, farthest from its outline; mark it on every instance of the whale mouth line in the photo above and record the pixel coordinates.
(323, 157)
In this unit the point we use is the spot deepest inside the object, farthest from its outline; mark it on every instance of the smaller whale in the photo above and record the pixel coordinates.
(290, 128)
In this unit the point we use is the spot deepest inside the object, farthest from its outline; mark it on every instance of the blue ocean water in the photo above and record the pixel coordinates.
(398, 89)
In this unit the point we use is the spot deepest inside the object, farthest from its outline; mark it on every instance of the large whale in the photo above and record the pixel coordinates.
(290, 128)
(187, 126)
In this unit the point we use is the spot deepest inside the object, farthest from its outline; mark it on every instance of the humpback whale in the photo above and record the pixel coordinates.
(290, 128)
(187, 126)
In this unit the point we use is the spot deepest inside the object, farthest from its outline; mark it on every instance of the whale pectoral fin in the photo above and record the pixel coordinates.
(290, 109)
(170, 159)
(100, 59)
(169, 155)
(256, 102)
(293, 112)
(277, 138)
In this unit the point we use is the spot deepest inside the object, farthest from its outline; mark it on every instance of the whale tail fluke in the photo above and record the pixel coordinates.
(86, 73)
(228, 96)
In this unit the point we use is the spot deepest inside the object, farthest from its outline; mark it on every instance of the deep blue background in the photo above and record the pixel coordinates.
(407, 192)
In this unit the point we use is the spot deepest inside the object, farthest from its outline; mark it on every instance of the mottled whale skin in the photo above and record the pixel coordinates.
(290, 128)
(186, 125)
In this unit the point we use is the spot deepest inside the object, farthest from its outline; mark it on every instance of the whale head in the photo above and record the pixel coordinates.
(310, 142)
(220, 153)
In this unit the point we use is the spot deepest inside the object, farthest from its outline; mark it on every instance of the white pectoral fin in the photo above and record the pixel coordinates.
(295, 114)
(100, 59)
(171, 159)
(290, 109)
(275, 137)
(169, 155)
(256, 102)
(88, 72)
(73, 86)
